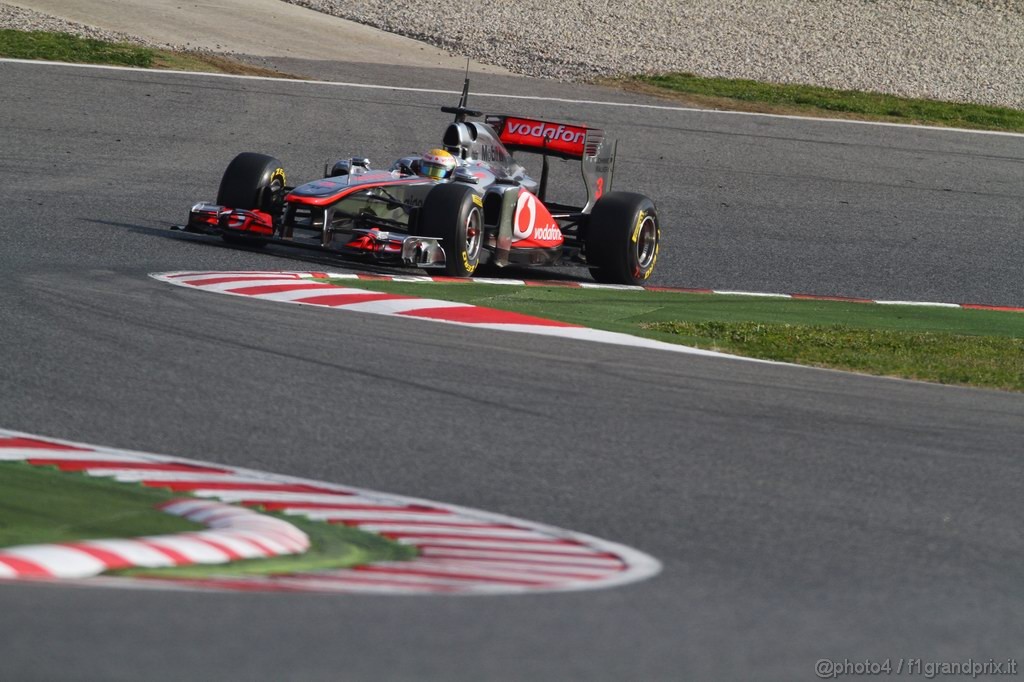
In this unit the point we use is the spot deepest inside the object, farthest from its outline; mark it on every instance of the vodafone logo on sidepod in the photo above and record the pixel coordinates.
(533, 223)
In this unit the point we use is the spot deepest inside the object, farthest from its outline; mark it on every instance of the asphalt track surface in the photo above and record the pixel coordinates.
(800, 514)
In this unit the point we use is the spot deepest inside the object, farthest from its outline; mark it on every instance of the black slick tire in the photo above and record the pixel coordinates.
(454, 214)
(252, 181)
(623, 236)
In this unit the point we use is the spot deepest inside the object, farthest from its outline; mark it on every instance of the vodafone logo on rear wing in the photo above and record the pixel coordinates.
(556, 138)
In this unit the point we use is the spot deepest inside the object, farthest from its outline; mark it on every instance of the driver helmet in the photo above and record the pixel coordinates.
(437, 164)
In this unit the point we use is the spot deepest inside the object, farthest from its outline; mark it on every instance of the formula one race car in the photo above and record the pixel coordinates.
(455, 209)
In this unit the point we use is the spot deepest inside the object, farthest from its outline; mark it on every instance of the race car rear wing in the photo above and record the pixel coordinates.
(532, 135)
(595, 151)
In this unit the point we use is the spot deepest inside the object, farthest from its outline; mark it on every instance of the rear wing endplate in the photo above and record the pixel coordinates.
(598, 165)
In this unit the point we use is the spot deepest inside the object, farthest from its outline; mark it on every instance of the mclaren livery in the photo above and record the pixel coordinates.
(464, 206)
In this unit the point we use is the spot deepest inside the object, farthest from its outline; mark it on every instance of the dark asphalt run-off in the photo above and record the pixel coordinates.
(800, 514)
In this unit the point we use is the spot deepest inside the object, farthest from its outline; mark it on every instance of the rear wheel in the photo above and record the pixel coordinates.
(252, 181)
(454, 214)
(623, 236)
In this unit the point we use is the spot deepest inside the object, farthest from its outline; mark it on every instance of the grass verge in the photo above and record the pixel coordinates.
(946, 345)
(64, 47)
(746, 95)
(331, 546)
(41, 504)
(941, 357)
(44, 505)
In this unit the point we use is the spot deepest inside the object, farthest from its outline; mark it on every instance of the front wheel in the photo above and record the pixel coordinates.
(454, 214)
(252, 181)
(623, 237)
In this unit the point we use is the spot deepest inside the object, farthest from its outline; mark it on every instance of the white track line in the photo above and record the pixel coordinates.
(497, 95)
(18, 454)
(238, 282)
(493, 533)
(369, 516)
(925, 304)
(275, 496)
(550, 546)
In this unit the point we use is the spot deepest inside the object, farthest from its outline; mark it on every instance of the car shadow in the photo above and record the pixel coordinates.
(323, 259)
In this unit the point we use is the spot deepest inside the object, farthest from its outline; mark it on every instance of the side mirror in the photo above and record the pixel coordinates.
(463, 175)
(340, 167)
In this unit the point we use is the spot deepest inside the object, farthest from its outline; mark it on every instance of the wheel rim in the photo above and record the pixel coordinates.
(647, 242)
(274, 194)
(474, 234)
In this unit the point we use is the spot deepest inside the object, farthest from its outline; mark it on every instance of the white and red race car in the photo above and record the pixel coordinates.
(485, 213)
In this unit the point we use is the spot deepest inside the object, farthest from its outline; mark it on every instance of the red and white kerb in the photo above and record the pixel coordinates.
(303, 288)
(459, 550)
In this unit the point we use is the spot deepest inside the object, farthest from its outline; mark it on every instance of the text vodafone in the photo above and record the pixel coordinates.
(548, 132)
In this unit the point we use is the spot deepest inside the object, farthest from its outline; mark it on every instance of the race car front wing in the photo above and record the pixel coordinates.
(382, 246)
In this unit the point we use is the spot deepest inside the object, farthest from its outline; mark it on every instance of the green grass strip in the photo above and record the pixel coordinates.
(949, 345)
(332, 546)
(810, 98)
(990, 361)
(64, 47)
(40, 504)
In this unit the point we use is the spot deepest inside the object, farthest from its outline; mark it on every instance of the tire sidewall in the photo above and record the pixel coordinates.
(247, 182)
(616, 224)
(468, 263)
(446, 215)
